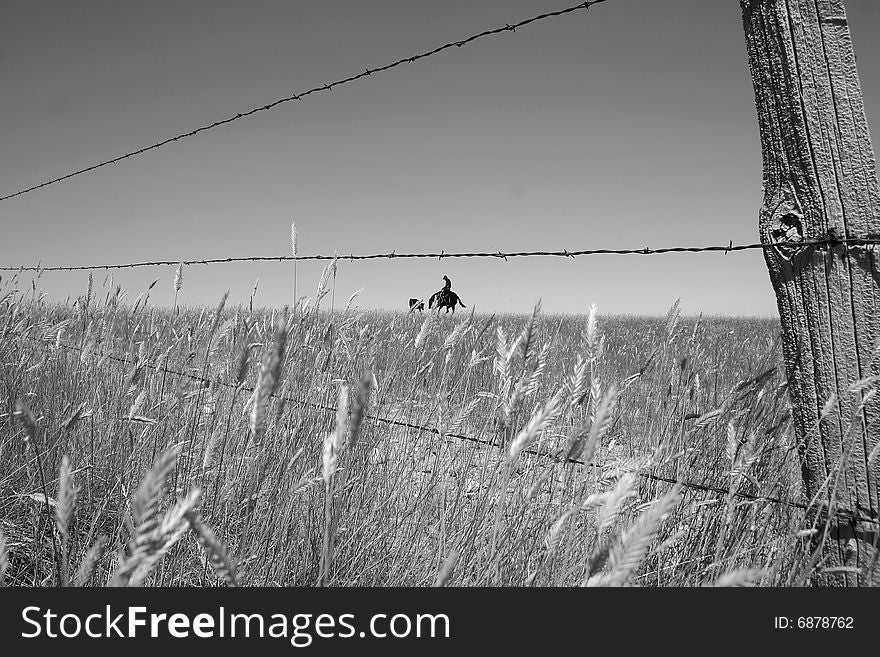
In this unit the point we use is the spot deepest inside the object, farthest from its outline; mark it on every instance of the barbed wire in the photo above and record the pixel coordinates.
(510, 27)
(502, 255)
(706, 488)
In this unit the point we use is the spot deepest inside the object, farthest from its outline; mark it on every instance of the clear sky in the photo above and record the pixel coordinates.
(629, 124)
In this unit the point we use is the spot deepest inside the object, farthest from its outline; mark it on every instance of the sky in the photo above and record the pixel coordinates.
(631, 124)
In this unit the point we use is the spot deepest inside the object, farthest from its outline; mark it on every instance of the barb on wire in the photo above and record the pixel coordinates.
(324, 87)
(726, 248)
(435, 431)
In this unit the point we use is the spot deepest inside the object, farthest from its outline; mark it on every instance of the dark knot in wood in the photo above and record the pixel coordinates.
(788, 227)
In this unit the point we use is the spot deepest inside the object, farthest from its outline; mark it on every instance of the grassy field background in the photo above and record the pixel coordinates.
(213, 446)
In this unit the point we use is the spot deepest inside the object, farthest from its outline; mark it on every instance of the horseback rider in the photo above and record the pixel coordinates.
(443, 292)
(445, 297)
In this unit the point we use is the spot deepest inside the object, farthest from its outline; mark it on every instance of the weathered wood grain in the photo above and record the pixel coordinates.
(820, 181)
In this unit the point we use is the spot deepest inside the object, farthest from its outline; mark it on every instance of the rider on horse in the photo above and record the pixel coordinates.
(445, 297)
(443, 293)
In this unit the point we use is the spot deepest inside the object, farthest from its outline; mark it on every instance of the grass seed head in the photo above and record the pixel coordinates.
(178, 278)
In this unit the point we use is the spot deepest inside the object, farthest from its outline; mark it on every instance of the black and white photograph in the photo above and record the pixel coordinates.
(518, 302)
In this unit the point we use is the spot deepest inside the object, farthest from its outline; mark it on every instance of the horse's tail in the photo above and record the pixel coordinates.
(461, 302)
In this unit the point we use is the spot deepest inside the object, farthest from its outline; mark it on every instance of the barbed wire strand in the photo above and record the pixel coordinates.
(510, 27)
(435, 431)
(723, 248)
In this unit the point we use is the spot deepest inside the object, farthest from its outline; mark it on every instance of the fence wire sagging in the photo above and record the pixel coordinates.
(509, 27)
(854, 242)
(705, 488)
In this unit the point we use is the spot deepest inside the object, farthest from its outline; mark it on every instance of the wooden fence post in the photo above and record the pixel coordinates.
(820, 183)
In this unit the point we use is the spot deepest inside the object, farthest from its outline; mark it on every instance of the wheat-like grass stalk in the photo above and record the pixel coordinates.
(210, 449)
(178, 284)
(672, 318)
(614, 501)
(500, 350)
(602, 418)
(539, 422)
(463, 416)
(253, 294)
(281, 404)
(178, 278)
(526, 338)
(148, 497)
(335, 440)
(593, 334)
(457, 333)
(90, 560)
(424, 331)
(511, 405)
(88, 298)
(557, 529)
(323, 289)
(137, 404)
(333, 444)
(220, 560)
(504, 354)
(447, 569)
(64, 510)
(630, 550)
(74, 417)
(241, 365)
(148, 536)
(351, 300)
(172, 527)
(578, 382)
(27, 421)
(267, 384)
(304, 484)
(215, 323)
(359, 407)
(583, 440)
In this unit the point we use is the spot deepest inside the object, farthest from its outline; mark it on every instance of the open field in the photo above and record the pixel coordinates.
(332, 487)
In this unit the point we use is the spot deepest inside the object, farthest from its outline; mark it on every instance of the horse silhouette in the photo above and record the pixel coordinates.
(445, 299)
(415, 304)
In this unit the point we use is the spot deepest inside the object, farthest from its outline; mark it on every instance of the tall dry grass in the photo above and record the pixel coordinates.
(270, 459)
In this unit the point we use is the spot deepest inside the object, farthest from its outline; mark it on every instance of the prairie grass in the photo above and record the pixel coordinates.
(224, 446)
